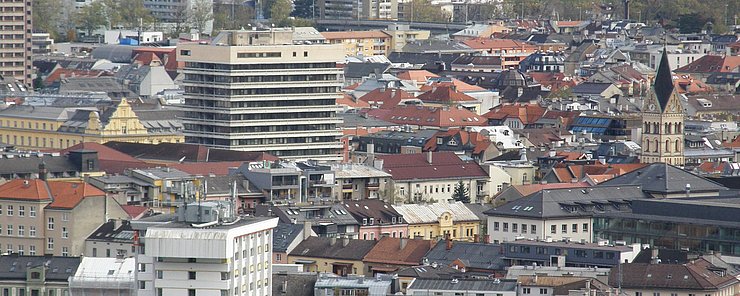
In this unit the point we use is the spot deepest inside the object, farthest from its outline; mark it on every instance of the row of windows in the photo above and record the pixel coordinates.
(564, 228)
(258, 129)
(259, 104)
(259, 91)
(260, 66)
(515, 227)
(38, 142)
(259, 116)
(21, 249)
(10, 210)
(22, 291)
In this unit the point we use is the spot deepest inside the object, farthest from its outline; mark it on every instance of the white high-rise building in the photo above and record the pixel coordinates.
(216, 258)
(261, 90)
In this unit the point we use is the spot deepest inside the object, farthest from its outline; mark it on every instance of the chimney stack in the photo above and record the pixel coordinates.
(403, 242)
(449, 243)
(654, 256)
(345, 241)
(429, 157)
(306, 230)
(333, 240)
(476, 238)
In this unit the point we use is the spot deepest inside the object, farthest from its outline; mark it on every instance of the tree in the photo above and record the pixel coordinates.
(461, 192)
(91, 17)
(423, 11)
(280, 12)
(180, 20)
(304, 9)
(46, 16)
(200, 14)
(127, 13)
(232, 16)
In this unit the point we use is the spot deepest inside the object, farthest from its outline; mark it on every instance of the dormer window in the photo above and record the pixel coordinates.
(452, 143)
(393, 220)
(364, 221)
(372, 221)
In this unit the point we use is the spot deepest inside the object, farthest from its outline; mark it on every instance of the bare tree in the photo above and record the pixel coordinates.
(200, 14)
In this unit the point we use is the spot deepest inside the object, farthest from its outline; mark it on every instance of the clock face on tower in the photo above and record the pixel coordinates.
(651, 107)
(673, 108)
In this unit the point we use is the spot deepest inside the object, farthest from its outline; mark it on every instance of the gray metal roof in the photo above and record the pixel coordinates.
(430, 213)
(664, 178)
(375, 286)
(59, 269)
(469, 285)
(571, 202)
(283, 235)
(473, 255)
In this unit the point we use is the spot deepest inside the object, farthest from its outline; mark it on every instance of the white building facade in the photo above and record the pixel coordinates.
(185, 260)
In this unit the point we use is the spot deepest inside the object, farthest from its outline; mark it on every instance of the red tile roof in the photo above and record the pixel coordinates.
(445, 93)
(19, 189)
(444, 165)
(416, 75)
(388, 251)
(168, 56)
(68, 194)
(430, 116)
(498, 44)
(355, 35)
(386, 98)
(350, 101)
(712, 63)
(459, 85)
(134, 212)
(479, 142)
(527, 113)
(110, 160)
(57, 74)
(64, 195)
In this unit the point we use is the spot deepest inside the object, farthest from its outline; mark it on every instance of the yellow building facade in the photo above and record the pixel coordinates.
(41, 127)
(439, 220)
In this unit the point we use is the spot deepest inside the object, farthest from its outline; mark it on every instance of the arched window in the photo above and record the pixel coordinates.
(524, 178)
(647, 146)
(679, 127)
(667, 145)
(670, 128)
(678, 146)
(656, 128)
(666, 128)
(646, 128)
(657, 146)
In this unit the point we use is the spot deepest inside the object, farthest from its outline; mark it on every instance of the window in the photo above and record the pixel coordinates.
(32, 231)
(160, 274)
(50, 243)
(65, 217)
(21, 230)
(21, 211)
(65, 251)
(564, 228)
(585, 227)
(553, 229)
(191, 292)
(191, 275)
(21, 250)
(50, 224)
(543, 291)
(514, 227)
(495, 226)
(506, 227)
(32, 211)
(526, 291)
(65, 233)
(524, 228)
(10, 229)
(10, 210)
(656, 294)
(32, 251)
(574, 228)
(533, 229)
(142, 285)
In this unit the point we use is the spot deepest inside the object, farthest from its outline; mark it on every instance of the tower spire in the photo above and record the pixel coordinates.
(663, 85)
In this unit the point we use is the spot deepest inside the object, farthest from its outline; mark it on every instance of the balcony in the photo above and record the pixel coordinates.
(373, 185)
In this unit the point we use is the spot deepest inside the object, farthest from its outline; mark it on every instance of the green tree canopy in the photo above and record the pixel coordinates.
(424, 11)
(461, 193)
(91, 17)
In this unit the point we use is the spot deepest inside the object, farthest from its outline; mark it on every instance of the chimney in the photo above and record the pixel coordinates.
(43, 172)
(333, 240)
(476, 238)
(449, 243)
(403, 242)
(345, 241)
(306, 230)
(487, 239)
(429, 157)
(654, 256)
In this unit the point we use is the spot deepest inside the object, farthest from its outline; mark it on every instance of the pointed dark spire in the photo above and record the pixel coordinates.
(663, 81)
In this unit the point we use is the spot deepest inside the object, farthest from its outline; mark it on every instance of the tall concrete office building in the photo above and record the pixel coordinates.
(15, 40)
(260, 90)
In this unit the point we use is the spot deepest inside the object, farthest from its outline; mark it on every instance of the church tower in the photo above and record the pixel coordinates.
(663, 120)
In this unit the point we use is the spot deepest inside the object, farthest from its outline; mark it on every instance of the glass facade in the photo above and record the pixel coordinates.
(692, 235)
